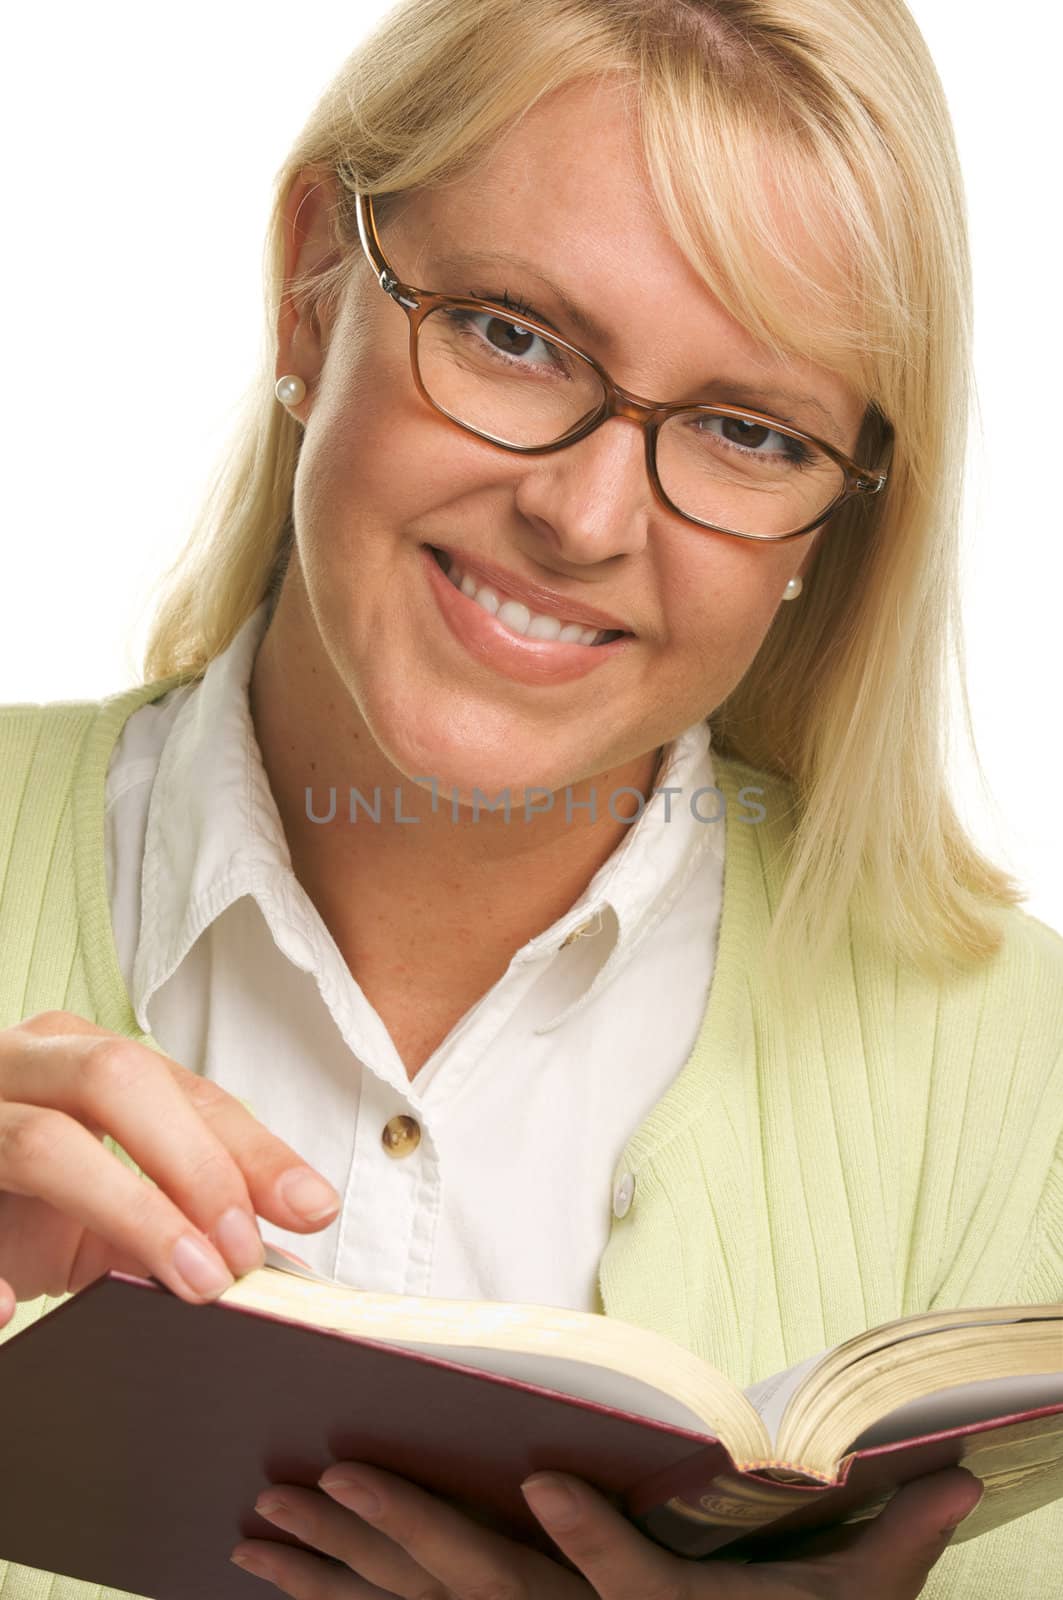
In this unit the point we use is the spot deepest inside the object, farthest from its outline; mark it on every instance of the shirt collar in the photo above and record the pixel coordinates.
(632, 891)
(214, 833)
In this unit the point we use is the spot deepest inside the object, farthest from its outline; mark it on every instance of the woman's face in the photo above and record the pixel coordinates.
(382, 476)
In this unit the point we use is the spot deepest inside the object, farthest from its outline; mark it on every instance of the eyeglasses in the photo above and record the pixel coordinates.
(510, 380)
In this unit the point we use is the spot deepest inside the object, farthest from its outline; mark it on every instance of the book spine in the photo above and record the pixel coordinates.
(693, 1515)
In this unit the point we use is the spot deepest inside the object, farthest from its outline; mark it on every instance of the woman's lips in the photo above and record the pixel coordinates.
(493, 645)
(535, 596)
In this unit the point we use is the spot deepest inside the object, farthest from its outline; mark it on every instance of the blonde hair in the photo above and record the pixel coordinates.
(848, 695)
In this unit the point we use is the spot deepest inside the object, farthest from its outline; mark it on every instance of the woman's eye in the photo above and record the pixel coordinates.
(754, 438)
(506, 337)
(498, 344)
(752, 435)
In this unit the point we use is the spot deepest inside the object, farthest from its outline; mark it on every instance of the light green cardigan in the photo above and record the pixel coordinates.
(894, 1148)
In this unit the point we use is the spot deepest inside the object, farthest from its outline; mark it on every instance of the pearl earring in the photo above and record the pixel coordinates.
(289, 390)
(793, 589)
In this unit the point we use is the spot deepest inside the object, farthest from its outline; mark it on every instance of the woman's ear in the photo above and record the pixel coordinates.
(310, 249)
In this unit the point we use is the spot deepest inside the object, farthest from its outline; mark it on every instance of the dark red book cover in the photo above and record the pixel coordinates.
(138, 1431)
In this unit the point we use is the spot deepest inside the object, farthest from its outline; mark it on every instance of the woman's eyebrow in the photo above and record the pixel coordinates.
(484, 260)
(772, 400)
(767, 397)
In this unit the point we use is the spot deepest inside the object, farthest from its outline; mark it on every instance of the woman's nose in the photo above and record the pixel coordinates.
(592, 499)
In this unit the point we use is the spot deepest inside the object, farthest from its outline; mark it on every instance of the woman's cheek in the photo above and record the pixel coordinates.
(718, 642)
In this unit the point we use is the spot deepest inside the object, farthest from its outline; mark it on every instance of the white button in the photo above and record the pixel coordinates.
(622, 1195)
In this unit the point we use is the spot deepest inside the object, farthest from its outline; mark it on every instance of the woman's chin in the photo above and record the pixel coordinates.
(461, 766)
(485, 789)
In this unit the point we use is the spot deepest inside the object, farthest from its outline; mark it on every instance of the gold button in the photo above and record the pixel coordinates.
(400, 1137)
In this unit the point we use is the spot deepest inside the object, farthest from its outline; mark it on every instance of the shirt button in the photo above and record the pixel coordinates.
(400, 1137)
(623, 1195)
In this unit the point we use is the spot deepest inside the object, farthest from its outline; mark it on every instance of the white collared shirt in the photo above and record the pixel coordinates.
(499, 1186)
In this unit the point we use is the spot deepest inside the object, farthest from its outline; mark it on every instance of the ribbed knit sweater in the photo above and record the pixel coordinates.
(894, 1146)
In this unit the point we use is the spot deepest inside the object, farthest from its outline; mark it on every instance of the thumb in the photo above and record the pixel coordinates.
(911, 1533)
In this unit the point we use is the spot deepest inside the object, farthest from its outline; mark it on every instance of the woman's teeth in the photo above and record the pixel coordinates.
(517, 617)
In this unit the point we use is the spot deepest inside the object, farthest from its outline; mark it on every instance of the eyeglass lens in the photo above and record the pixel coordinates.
(518, 387)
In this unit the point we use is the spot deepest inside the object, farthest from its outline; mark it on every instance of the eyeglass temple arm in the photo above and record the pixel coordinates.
(363, 207)
(871, 483)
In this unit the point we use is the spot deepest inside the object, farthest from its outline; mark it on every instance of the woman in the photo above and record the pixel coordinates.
(642, 317)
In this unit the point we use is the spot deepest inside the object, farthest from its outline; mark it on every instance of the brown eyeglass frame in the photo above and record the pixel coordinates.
(418, 303)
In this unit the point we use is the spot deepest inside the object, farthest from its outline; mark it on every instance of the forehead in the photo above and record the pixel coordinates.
(568, 190)
(567, 186)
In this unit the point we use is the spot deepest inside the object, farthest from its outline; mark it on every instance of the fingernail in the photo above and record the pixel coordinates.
(355, 1493)
(250, 1563)
(204, 1272)
(308, 1194)
(552, 1501)
(239, 1241)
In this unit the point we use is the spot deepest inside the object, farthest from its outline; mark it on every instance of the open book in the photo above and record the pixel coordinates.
(981, 1376)
(163, 1421)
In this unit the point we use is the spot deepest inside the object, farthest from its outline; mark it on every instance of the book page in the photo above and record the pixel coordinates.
(562, 1374)
(770, 1397)
(287, 1263)
(774, 1394)
(958, 1406)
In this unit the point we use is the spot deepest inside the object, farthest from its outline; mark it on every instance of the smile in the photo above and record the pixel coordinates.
(496, 645)
(516, 616)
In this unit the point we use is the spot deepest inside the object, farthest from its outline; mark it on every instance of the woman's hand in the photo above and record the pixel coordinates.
(71, 1211)
(422, 1548)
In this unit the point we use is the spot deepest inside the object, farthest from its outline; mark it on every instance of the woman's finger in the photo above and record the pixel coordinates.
(429, 1545)
(52, 1158)
(305, 1576)
(618, 1561)
(910, 1535)
(64, 1082)
(335, 1531)
(281, 1185)
(230, 1148)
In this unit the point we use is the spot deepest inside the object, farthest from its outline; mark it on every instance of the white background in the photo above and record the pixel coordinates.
(139, 147)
